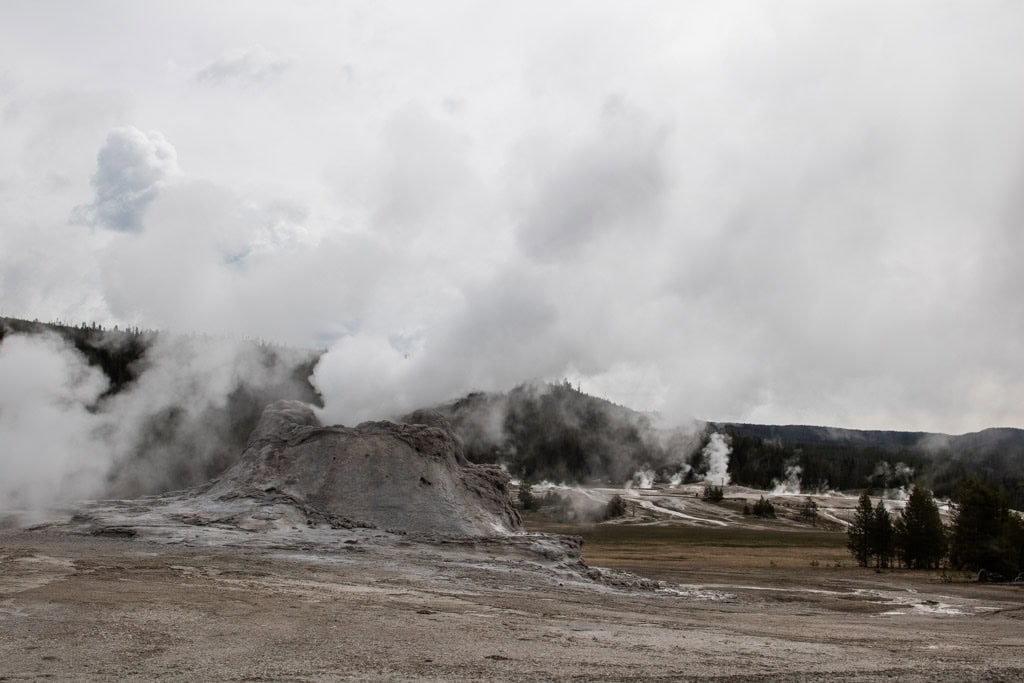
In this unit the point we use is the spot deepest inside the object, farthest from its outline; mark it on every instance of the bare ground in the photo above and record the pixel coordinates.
(374, 606)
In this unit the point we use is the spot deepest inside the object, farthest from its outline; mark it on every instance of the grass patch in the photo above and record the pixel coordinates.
(675, 551)
(678, 534)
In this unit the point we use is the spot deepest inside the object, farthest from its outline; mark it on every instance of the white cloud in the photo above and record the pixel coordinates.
(730, 211)
(131, 167)
(611, 181)
(46, 390)
(251, 66)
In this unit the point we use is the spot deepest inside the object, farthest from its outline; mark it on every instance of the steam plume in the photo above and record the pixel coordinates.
(716, 458)
(178, 424)
(790, 483)
(47, 431)
(894, 479)
(643, 478)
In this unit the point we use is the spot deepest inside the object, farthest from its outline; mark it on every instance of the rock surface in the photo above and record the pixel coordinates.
(295, 475)
(403, 477)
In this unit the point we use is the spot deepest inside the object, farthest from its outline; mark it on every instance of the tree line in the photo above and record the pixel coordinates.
(116, 351)
(853, 459)
(758, 463)
(985, 534)
(558, 433)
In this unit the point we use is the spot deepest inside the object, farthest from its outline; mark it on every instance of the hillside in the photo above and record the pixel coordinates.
(169, 411)
(557, 433)
(971, 445)
(117, 352)
(554, 432)
(940, 460)
(539, 432)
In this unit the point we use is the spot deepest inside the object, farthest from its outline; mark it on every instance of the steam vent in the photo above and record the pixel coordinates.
(403, 477)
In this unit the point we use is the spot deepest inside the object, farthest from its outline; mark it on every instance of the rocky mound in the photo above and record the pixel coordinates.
(403, 477)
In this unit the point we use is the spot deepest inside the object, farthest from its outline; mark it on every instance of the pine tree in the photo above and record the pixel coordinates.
(858, 536)
(1013, 537)
(527, 500)
(882, 536)
(764, 508)
(713, 494)
(980, 529)
(616, 507)
(920, 536)
(809, 511)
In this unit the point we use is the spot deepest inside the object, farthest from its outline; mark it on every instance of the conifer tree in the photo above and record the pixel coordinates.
(858, 536)
(809, 511)
(981, 529)
(882, 536)
(764, 508)
(920, 536)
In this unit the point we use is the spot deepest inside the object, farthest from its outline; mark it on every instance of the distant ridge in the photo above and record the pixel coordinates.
(972, 443)
(558, 433)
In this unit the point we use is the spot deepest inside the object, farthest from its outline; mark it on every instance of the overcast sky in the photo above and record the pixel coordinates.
(787, 212)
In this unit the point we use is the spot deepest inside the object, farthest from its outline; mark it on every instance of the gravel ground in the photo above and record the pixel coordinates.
(373, 606)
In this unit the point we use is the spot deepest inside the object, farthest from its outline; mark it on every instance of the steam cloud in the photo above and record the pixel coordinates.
(716, 458)
(895, 479)
(131, 167)
(464, 228)
(572, 503)
(252, 66)
(642, 479)
(175, 426)
(556, 432)
(790, 484)
(47, 431)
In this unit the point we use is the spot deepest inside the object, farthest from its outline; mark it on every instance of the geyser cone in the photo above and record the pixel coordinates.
(405, 477)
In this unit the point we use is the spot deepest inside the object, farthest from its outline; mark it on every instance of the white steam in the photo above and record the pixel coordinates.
(172, 426)
(643, 478)
(47, 433)
(716, 458)
(790, 484)
(470, 207)
(894, 479)
(679, 477)
(901, 493)
(62, 440)
(571, 503)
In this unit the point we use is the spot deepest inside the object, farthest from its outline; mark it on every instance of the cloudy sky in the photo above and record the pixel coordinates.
(794, 212)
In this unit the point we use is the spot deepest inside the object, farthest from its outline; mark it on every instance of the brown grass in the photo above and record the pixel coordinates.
(684, 553)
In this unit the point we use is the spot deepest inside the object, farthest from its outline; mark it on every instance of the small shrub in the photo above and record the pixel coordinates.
(809, 511)
(713, 494)
(764, 508)
(527, 501)
(616, 507)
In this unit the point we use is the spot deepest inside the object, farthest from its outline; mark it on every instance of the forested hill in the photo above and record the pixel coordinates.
(893, 441)
(555, 432)
(117, 352)
(941, 461)
(122, 353)
(972, 444)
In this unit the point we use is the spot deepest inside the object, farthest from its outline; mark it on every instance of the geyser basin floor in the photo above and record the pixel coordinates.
(88, 608)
